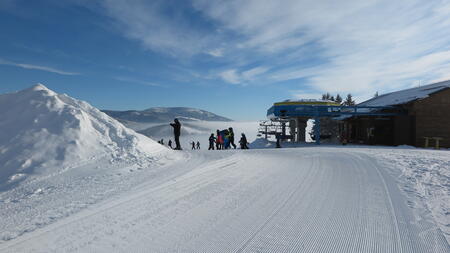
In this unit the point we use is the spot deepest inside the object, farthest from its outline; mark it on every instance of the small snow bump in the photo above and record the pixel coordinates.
(39, 86)
(16, 177)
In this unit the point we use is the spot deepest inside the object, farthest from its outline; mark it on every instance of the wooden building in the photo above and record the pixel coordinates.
(425, 119)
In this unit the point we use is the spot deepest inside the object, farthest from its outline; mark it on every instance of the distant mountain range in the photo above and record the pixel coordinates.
(165, 114)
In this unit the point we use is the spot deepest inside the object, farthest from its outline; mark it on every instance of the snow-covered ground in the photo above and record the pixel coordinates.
(312, 199)
(75, 180)
(423, 175)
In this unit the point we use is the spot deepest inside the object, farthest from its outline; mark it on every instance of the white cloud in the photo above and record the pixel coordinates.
(336, 46)
(251, 74)
(217, 52)
(235, 77)
(359, 46)
(132, 80)
(37, 67)
(230, 76)
(299, 94)
(147, 22)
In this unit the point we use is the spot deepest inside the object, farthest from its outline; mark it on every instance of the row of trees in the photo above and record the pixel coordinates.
(338, 99)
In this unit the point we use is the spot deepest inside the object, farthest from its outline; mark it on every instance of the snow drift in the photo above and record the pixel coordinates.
(42, 132)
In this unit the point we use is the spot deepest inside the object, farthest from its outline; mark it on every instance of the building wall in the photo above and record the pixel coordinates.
(404, 130)
(429, 117)
(369, 130)
(432, 118)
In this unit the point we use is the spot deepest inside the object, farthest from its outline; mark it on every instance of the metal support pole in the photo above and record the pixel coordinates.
(317, 125)
(317, 129)
(292, 129)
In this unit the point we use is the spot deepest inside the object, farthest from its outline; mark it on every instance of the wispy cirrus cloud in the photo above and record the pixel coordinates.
(160, 26)
(242, 77)
(359, 46)
(230, 76)
(336, 46)
(37, 67)
(299, 94)
(136, 81)
(217, 52)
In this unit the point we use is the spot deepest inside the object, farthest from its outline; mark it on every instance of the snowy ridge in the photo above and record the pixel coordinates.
(42, 132)
(164, 114)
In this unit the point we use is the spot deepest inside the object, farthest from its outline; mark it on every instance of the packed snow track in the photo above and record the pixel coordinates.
(288, 200)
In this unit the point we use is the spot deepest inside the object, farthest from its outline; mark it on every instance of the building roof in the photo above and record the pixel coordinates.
(306, 102)
(406, 96)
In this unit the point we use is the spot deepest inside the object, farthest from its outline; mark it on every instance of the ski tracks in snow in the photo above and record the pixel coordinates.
(292, 200)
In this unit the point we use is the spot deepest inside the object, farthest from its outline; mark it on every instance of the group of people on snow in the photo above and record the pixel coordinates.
(224, 139)
(195, 146)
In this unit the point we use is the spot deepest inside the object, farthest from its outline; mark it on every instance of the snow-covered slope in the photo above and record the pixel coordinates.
(42, 133)
(165, 114)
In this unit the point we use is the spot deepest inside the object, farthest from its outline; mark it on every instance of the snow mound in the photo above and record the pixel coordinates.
(42, 133)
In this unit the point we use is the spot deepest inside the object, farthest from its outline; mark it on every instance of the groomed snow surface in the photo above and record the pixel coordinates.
(131, 197)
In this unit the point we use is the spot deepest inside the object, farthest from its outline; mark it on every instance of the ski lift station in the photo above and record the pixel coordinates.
(293, 115)
(418, 116)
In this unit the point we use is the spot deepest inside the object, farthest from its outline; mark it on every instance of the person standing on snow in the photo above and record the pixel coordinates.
(226, 139)
(193, 145)
(176, 132)
(198, 144)
(211, 142)
(231, 137)
(170, 143)
(218, 140)
(243, 141)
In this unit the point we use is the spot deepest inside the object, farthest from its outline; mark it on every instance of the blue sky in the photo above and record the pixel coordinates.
(234, 58)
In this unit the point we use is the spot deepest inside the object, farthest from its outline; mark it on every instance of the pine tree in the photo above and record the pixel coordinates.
(332, 98)
(338, 99)
(376, 94)
(326, 96)
(349, 100)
